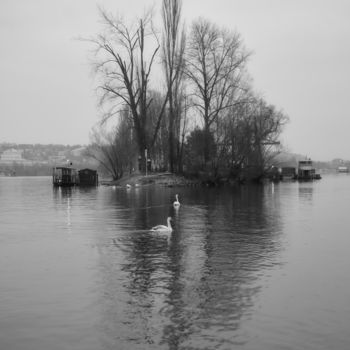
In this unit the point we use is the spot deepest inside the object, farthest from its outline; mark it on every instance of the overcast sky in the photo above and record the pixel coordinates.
(300, 64)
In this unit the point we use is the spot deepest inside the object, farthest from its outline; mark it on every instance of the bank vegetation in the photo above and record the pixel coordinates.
(181, 100)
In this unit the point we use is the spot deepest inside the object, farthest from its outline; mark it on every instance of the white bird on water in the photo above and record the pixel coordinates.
(128, 186)
(163, 228)
(176, 204)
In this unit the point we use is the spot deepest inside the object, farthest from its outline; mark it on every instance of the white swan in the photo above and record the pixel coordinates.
(176, 203)
(163, 228)
(128, 186)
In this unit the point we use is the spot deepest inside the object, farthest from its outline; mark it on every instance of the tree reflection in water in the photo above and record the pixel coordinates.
(194, 290)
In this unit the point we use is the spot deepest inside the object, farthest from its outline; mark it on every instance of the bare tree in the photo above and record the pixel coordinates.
(160, 150)
(267, 125)
(125, 55)
(215, 61)
(115, 149)
(103, 148)
(252, 132)
(173, 53)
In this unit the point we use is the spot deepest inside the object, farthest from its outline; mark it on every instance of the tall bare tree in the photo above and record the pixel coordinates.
(215, 61)
(173, 47)
(125, 56)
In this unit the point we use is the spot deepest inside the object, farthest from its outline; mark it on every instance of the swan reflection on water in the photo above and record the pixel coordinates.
(176, 203)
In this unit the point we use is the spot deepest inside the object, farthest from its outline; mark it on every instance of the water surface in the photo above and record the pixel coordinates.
(246, 268)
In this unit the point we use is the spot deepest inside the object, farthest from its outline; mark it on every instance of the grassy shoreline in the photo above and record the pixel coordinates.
(161, 179)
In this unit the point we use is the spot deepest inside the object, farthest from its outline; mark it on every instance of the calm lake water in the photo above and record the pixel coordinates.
(247, 268)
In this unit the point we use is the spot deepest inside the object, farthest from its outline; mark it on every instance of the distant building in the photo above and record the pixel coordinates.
(343, 169)
(78, 152)
(60, 159)
(11, 156)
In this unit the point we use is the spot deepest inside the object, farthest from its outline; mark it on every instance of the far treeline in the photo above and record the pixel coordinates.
(198, 115)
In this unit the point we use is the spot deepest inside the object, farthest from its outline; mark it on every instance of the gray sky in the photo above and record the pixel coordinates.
(300, 63)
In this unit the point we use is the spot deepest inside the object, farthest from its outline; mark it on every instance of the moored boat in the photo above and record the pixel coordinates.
(306, 171)
(343, 169)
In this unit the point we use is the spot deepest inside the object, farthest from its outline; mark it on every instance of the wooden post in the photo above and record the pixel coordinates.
(146, 159)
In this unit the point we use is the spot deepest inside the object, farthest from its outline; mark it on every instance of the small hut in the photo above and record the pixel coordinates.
(65, 176)
(88, 177)
(288, 173)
